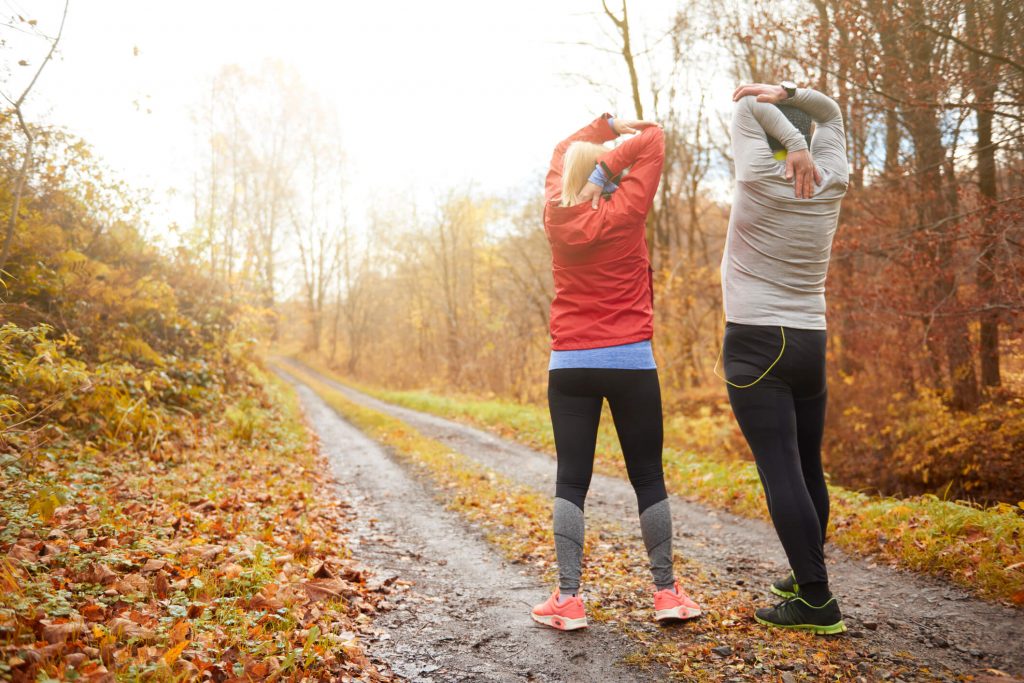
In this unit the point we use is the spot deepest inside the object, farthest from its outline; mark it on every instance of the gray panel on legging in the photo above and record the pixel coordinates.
(656, 527)
(568, 545)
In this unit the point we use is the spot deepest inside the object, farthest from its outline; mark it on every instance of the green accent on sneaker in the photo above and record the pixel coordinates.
(832, 629)
(787, 587)
(782, 593)
(820, 629)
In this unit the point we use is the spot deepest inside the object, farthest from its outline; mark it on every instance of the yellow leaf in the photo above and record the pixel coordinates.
(171, 656)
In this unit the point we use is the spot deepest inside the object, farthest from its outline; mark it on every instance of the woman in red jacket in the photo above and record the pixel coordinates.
(601, 328)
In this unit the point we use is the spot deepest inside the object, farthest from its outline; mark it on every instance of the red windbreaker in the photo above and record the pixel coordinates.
(603, 278)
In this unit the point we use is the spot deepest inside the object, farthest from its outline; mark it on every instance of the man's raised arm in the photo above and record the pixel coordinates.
(828, 147)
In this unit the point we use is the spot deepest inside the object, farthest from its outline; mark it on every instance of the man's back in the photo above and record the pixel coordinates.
(778, 247)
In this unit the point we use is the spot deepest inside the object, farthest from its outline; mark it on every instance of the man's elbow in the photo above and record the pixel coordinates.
(835, 113)
(743, 104)
(832, 109)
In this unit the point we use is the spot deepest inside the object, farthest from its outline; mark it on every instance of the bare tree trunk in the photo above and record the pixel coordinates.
(930, 157)
(824, 47)
(627, 54)
(985, 76)
(26, 160)
(634, 83)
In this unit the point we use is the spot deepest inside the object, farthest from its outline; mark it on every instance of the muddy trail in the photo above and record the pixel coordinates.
(465, 615)
(893, 613)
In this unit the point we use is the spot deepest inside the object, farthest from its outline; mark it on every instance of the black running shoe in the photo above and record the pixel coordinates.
(787, 587)
(796, 613)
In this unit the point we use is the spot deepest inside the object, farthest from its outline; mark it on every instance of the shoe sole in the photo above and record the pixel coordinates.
(783, 594)
(680, 613)
(560, 623)
(838, 627)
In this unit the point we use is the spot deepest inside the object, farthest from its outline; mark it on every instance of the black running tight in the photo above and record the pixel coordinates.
(575, 397)
(783, 419)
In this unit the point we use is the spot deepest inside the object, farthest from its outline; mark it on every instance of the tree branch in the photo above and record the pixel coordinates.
(26, 161)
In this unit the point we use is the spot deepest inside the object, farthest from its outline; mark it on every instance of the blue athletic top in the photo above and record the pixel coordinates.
(635, 356)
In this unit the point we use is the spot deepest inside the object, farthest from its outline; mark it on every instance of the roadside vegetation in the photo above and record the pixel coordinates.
(164, 514)
(222, 556)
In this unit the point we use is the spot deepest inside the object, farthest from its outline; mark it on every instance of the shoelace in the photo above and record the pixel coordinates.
(784, 603)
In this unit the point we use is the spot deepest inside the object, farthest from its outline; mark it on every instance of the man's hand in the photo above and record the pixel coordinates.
(623, 126)
(771, 94)
(801, 170)
(591, 193)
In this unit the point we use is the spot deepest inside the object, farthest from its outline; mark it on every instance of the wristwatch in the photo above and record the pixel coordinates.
(789, 87)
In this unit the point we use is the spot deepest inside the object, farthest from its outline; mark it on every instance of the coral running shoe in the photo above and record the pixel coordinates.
(674, 604)
(567, 616)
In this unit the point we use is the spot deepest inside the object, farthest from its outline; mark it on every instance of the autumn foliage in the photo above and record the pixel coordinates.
(925, 286)
(163, 513)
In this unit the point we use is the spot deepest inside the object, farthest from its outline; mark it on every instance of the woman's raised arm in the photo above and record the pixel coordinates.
(599, 130)
(644, 154)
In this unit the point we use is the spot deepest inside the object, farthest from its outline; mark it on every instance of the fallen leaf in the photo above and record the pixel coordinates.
(128, 629)
(179, 631)
(101, 574)
(22, 552)
(93, 612)
(161, 585)
(171, 656)
(324, 589)
(60, 633)
(153, 565)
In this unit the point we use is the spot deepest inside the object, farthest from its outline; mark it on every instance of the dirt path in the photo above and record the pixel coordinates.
(894, 613)
(466, 615)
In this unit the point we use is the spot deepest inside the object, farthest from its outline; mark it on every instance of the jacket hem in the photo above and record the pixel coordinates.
(600, 343)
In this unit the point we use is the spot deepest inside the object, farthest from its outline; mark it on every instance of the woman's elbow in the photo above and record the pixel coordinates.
(655, 140)
(655, 133)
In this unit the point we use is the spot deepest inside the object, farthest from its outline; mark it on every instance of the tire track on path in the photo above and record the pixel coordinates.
(893, 612)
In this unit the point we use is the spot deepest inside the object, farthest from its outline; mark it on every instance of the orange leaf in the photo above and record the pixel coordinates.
(93, 612)
(179, 631)
(171, 656)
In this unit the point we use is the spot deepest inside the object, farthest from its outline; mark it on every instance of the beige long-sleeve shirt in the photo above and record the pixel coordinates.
(778, 247)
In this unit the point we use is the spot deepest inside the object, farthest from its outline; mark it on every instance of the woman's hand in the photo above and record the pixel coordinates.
(771, 94)
(590, 193)
(623, 126)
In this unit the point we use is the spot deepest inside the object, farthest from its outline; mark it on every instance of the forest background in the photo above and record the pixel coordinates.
(396, 237)
(925, 293)
(449, 290)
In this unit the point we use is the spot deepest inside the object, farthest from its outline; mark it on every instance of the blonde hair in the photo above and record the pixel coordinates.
(577, 165)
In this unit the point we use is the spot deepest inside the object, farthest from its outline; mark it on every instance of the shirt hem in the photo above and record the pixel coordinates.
(775, 322)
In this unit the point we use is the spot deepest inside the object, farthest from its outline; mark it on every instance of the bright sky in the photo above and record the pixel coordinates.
(430, 95)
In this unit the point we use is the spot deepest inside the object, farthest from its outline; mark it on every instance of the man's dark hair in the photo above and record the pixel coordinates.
(800, 120)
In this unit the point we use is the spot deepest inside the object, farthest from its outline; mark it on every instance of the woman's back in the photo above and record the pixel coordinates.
(601, 268)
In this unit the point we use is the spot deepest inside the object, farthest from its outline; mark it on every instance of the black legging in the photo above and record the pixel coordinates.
(575, 397)
(783, 419)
